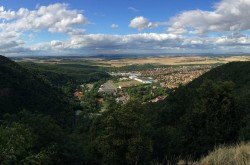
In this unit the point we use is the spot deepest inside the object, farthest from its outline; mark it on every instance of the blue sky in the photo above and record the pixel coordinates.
(35, 27)
(106, 12)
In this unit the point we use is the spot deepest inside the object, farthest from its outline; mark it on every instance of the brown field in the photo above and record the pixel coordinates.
(173, 60)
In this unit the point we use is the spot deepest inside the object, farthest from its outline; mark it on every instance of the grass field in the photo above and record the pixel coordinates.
(160, 61)
(172, 60)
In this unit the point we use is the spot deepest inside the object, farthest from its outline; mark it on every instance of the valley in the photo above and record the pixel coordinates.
(87, 109)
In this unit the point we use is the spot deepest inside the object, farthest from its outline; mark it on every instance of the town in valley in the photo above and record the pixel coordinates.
(145, 79)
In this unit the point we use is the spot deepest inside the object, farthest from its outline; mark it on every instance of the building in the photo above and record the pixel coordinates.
(108, 87)
(144, 80)
(78, 94)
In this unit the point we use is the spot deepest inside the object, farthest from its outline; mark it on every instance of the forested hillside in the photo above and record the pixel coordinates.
(21, 89)
(66, 76)
(192, 121)
(211, 110)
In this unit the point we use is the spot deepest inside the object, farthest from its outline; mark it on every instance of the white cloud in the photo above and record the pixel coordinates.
(141, 23)
(55, 18)
(6, 14)
(133, 9)
(114, 26)
(136, 43)
(228, 15)
(146, 42)
(229, 19)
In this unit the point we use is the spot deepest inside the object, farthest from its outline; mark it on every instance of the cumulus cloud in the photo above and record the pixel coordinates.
(123, 41)
(114, 26)
(140, 43)
(139, 23)
(55, 18)
(229, 20)
(6, 14)
(111, 42)
(142, 23)
(146, 42)
(228, 15)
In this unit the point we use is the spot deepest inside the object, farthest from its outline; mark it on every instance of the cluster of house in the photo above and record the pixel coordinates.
(171, 77)
(124, 74)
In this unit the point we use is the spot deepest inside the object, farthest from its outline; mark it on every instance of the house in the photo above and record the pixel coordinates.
(78, 94)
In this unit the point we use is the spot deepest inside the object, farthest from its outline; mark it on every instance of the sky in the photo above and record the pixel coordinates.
(90, 27)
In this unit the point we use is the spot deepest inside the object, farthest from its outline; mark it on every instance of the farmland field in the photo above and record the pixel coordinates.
(172, 60)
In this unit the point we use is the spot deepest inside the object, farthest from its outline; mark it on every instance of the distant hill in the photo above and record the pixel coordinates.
(20, 89)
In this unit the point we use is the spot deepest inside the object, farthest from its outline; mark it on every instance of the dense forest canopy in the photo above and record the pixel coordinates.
(22, 89)
(66, 76)
(211, 110)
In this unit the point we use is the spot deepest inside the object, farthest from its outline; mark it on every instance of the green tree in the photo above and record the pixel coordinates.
(16, 141)
(245, 130)
(214, 119)
(125, 138)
